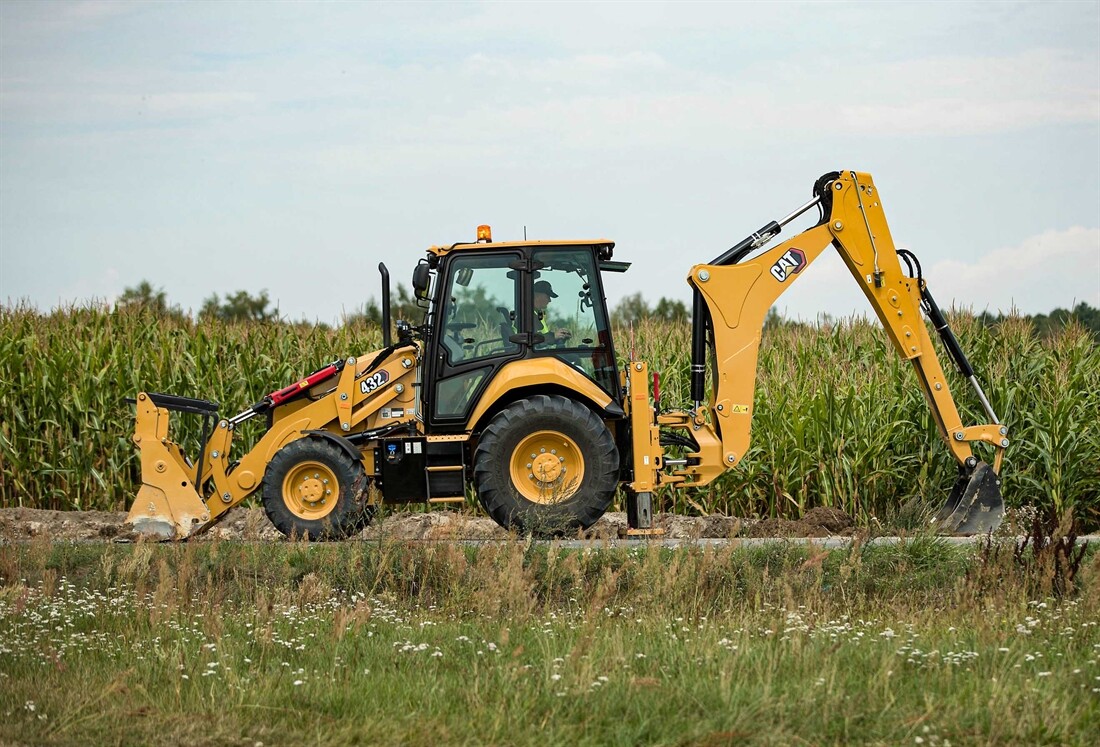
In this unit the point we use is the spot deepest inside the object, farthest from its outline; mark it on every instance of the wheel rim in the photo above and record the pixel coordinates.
(310, 490)
(547, 467)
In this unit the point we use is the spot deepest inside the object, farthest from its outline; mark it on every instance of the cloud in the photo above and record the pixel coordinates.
(131, 129)
(1043, 272)
(96, 10)
(973, 95)
(634, 100)
(654, 93)
(1057, 268)
(147, 109)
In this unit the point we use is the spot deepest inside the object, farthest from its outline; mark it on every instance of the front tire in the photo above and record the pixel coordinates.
(313, 489)
(546, 465)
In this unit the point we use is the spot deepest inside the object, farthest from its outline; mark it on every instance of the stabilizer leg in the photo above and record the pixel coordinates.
(639, 515)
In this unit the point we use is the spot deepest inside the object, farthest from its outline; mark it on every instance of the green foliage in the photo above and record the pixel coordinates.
(630, 310)
(1048, 325)
(668, 310)
(403, 306)
(634, 308)
(144, 295)
(839, 419)
(518, 644)
(64, 424)
(241, 306)
(369, 313)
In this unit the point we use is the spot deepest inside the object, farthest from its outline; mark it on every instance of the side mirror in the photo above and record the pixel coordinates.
(420, 280)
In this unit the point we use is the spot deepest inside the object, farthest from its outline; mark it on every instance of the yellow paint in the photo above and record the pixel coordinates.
(739, 297)
(536, 372)
(644, 432)
(439, 251)
(169, 495)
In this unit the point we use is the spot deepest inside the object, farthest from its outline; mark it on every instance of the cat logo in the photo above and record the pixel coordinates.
(789, 264)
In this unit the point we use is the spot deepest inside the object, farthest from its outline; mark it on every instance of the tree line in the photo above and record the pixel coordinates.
(635, 307)
(243, 306)
(1052, 323)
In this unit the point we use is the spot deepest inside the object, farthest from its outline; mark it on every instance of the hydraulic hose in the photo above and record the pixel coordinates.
(944, 330)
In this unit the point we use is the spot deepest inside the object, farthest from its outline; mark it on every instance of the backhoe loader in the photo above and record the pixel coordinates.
(543, 423)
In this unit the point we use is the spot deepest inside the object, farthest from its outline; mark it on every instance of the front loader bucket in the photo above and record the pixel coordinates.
(157, 516)
(167, 505)
(975, 505)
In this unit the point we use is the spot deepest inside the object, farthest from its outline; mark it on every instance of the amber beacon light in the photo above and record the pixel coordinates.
(484, 234)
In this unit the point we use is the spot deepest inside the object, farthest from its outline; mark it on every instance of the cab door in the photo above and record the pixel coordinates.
(476, 330)
(577, 329)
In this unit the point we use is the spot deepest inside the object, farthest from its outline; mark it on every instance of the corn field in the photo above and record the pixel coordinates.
(839, 420)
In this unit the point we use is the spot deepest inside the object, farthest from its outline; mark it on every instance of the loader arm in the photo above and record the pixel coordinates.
(179, 499)
(736, 292)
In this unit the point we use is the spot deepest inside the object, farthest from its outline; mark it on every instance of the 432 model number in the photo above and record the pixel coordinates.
(372, 382)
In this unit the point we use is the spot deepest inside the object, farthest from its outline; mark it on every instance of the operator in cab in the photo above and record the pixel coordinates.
(543, 293)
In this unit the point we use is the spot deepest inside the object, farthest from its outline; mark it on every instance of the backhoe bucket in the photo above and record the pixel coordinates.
(975, 505)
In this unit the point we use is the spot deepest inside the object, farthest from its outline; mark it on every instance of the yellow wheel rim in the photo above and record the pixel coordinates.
(547, 467)
(310, 490)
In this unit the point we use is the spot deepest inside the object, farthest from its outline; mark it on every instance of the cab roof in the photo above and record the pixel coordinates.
(439, 251)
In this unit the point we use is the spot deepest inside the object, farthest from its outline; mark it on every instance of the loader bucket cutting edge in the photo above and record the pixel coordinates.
(153, 528)
(159, 516)
(975, 505)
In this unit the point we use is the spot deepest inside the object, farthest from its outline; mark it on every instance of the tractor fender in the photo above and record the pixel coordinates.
(543, 375)
(340, 441)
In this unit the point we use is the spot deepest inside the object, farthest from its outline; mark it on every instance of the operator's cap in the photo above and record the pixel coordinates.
(543, 286)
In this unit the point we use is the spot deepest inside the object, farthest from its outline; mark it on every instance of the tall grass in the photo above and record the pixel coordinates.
(839, 420)
(64, 425)
(512, 644)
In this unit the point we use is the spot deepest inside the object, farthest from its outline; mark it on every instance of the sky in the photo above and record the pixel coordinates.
(290, 147)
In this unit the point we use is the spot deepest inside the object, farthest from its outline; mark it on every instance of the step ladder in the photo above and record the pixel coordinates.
(439, 470)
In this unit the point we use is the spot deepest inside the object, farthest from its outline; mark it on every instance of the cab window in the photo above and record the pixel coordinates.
(478, 316)
(568, 313)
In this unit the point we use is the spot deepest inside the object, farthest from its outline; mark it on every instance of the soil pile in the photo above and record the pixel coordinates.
(22, 524)
(818, 522)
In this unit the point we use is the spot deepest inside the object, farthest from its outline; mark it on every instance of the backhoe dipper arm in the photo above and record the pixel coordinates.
(734, 295)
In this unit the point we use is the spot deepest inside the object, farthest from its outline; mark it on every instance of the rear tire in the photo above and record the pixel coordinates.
(546, 465)
(313, 489)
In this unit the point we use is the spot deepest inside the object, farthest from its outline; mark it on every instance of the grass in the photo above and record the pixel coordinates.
(839, 420)
(512, 643)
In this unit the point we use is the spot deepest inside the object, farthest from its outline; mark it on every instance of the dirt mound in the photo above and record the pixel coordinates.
(21, 524)
(818, 522)
(433, 525)
(25, 523)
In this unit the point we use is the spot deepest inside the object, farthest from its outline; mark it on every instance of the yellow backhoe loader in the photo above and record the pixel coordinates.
(512, 384)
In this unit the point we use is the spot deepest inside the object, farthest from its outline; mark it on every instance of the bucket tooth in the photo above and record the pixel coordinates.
(975, 505)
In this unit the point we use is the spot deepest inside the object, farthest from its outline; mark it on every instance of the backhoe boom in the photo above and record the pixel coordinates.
(734, 293)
